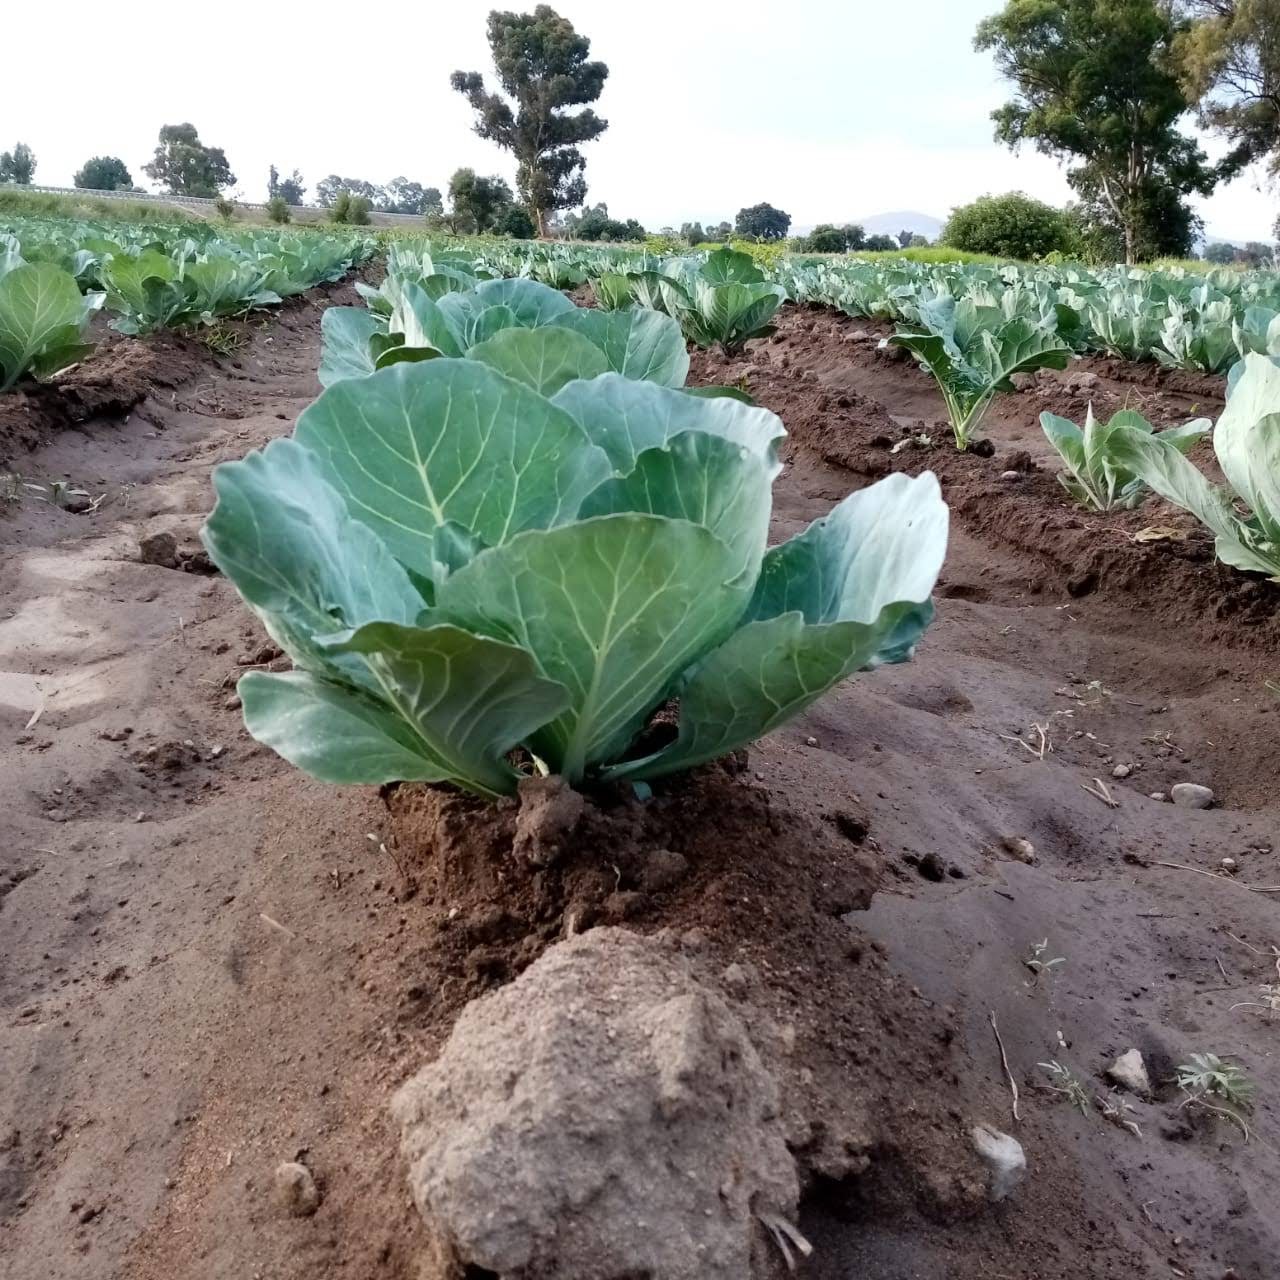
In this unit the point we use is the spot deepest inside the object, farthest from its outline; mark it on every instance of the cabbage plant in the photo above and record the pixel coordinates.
(1246, 440)
(724, 300)
(474, 579)
(1094, 476)
(519, 326)
(42, 317)
(973, 352)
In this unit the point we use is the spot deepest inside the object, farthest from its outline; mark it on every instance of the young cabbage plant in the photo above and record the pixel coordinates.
(973, 352)
(42, 319)
(724, 300)
(474, 579)
(518, 326)
(1246, 440)
(1093, 476)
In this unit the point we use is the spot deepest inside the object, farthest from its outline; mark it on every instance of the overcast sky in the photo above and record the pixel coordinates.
(829, 109)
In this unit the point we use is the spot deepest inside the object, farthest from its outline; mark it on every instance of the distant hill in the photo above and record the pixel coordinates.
(889, 224)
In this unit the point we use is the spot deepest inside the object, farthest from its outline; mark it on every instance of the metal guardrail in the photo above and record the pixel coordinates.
(201, 202)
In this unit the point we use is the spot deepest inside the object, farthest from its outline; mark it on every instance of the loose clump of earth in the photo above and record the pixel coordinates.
(604, 1116)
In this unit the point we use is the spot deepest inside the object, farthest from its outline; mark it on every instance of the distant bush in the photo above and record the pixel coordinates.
(597, 225)
(224, 208)
(827, 238)
(278, 210)
(515, 222)
(881, 244)
(350, 209)
(1009, 226)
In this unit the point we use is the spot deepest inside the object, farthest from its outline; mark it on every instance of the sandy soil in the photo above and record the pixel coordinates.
(207, 966)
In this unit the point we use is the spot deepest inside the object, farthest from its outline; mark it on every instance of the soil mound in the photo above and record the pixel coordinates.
(603, 1116)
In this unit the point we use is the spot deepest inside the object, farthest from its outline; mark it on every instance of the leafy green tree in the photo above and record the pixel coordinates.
(278, 209)
(693, 233)
(290, 190)
(596, 224)
(1167, 226)
(1008, 226)
(905, 237)
(184, 166)
(918, 241)
(1229, 59)
(880, 244)
(721, 233)
(1221, 253)
(762, 222)
(18, 165)
(328, 189)
(103, 173)
(403, 196)
(477, 202)
(1096, 85)
(542, 67)
(432, 202)
(515, 222)
(824, 238)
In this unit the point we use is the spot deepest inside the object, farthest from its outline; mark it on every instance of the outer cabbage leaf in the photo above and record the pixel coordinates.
(849, 593)
(544, 359)
(42, 318)
(614, 607)
(625, 417)
(416, 445)
(704, 479)
(283, 535)
(345, 337)
(645, 345)
(449, 707)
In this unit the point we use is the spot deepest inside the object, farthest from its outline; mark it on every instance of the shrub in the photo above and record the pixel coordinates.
(349, 209)
(277, 210)
(516, 223)
(1008, 226)
(224, 208)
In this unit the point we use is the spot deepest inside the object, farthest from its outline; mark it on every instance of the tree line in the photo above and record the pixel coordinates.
(1102, 85)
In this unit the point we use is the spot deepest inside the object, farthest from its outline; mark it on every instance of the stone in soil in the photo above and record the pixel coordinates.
(604, 1116)
(1191, 795)
(294, 1190)
(1005, 1160)
(1130, 1072)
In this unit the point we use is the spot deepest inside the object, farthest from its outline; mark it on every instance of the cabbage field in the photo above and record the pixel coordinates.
(55, 274)
(721, 764)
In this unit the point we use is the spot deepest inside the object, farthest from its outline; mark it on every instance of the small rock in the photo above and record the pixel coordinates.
(233, 703)
(1019, 847)
(664, 869)
(1121, 771)
(160, 549)
(294, 1190)
(1080, 381)
(549, 812)
(1159, 795)
(1003, 1157)
(811, 742)
(1191, 795)
(1010, 475)
(932, 867)
(1130, 1072)
(1230, 865)
(858, 335)
(1021, 381)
